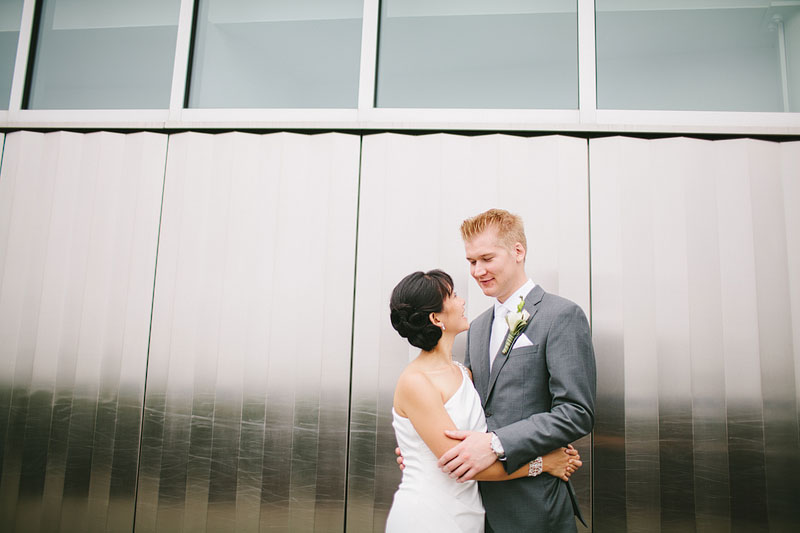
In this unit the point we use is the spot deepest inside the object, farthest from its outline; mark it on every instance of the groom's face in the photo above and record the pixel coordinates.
(497, 269)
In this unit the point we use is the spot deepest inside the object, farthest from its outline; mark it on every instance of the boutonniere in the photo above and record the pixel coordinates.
(516, 324)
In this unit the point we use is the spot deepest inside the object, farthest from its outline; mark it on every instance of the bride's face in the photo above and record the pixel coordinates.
(452, 314)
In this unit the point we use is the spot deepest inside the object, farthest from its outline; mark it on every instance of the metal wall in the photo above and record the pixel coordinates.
(78, 233)
(194, 331)
(247, 385)
(696, 308)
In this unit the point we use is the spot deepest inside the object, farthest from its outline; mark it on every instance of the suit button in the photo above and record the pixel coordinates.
(488, 414)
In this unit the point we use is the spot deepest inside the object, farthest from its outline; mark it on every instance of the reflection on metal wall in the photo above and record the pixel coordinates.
(695, 296)
(248, 377)
(696, 307)
(78, 230)
(415, 191)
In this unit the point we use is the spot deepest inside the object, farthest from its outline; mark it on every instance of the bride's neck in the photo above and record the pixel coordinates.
(442, 352)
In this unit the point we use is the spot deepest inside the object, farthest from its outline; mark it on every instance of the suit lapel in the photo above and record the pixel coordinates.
(483, 330)
(532, 301)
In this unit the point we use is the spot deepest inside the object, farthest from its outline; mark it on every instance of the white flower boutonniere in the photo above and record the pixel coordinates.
(516, 324)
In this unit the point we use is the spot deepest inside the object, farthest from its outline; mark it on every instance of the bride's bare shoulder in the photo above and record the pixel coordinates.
(414, 388)
(412, 380)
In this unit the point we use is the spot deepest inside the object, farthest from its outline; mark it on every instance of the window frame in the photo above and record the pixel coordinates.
(586, 119)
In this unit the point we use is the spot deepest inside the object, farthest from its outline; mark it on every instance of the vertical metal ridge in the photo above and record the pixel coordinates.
(85, 455)
(90, 358)
(206, 401)
(106, 418)
(9, 450)
(670, 163)
(710, 450)
(789, 155)
(609, 489)
(352, 337)
(149, 338)
(781, 446)
(744, 407)
(277, 465)
(117, 496)
(591, 318)
(265, 503)
(228, 417)
(33, 439)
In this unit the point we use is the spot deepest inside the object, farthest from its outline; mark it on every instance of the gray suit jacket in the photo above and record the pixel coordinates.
(536, 398)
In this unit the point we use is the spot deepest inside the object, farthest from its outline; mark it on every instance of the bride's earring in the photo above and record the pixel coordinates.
(442, 326)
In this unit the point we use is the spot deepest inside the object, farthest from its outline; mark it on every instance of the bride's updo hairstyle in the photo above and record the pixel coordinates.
(413, 300)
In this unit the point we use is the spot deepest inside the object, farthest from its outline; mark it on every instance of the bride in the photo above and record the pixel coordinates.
(435, 393)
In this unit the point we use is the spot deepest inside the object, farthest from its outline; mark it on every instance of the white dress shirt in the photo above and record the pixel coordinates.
(499, 326)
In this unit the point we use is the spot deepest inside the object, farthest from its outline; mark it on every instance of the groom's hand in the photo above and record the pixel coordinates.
(472, 455)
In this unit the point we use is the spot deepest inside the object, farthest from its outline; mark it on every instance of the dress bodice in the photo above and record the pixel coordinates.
(453, 506)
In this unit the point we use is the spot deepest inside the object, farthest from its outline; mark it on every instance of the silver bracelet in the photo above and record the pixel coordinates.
(535, 467)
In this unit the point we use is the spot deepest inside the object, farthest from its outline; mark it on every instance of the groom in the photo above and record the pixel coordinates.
(537, 387)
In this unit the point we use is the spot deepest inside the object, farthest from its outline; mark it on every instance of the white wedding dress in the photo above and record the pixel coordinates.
(427, 499)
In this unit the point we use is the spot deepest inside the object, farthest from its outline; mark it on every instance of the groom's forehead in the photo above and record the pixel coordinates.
(481, 246)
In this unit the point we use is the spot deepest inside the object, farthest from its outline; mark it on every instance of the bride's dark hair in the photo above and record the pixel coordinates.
(413, 300)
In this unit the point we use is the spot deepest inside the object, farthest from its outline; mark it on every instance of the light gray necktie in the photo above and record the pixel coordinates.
(499, 330)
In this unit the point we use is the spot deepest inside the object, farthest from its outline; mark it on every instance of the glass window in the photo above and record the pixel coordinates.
(278, 54)
(104, 54)
(716, 55)
(478, 54)
(10, 16)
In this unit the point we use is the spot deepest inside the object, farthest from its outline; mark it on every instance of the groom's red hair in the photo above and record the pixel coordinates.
(510, 229)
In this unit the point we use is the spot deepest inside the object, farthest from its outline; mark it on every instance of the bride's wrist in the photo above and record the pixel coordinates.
(547, 464)
(536, 467)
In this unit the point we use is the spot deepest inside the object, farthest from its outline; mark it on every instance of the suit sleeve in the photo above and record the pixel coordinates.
(466, 355)
(572, 383)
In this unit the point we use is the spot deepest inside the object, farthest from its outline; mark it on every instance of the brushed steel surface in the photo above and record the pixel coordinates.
(248, 380)
(695, 308)
(415, 192)
(781, 435)
(692, 258)
(790, 182)
(711, 480)
(78, 229)
(670, 163)
(607, 164)
(745, 410)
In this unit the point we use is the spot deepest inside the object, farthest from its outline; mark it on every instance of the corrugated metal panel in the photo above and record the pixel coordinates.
(694, 270)
(415, 192)
(695, 287)
(248, 380)
(78, 226)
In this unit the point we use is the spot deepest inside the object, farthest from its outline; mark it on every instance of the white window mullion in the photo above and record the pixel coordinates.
(21, 62)
(587, 71)
(180, 69)
(369, 55)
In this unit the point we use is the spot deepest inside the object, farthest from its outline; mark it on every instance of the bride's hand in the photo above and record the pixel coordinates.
(400, 464)
(562, 462)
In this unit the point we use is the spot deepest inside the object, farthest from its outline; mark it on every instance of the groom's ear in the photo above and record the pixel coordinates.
(520, 252)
